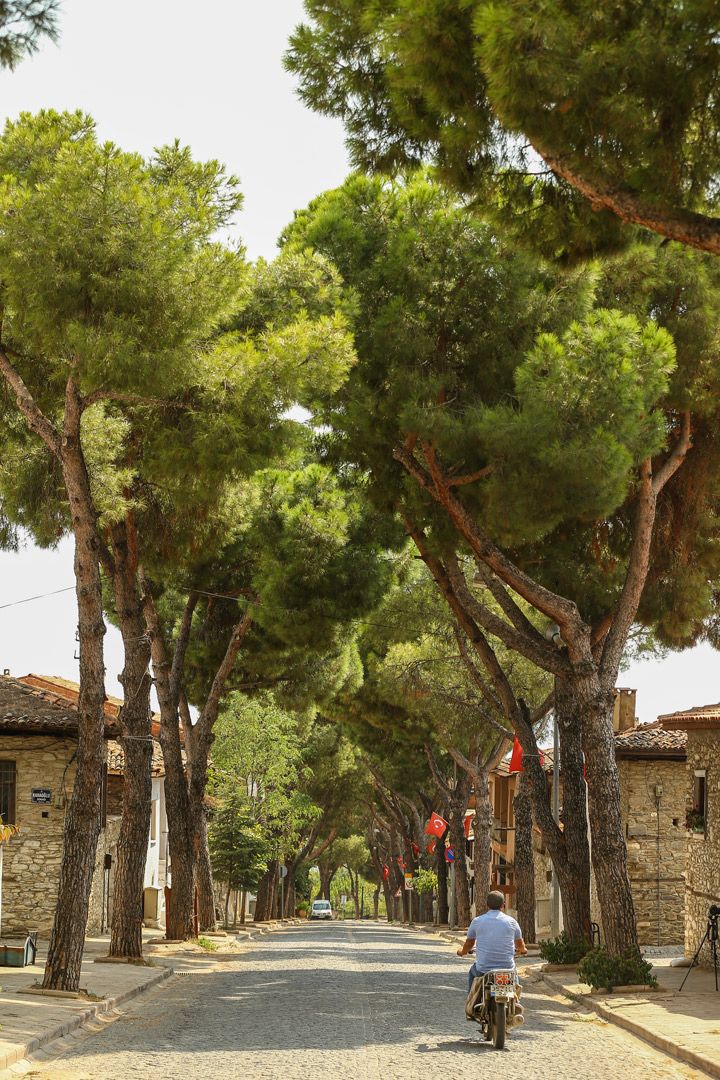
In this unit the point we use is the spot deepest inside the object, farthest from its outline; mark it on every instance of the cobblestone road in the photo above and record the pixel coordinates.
(345, 1001)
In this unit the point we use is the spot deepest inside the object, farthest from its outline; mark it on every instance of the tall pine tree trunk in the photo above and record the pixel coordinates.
(82, 820)
(569, 855)
(482, 846)
(205, 886)
(265, 895)
(179, 916)
(127, 911)
(524, 861)
(457, 838)
(609, 852)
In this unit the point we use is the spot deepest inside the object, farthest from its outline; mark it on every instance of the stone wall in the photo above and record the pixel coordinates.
(657, 843)
(703, 868)
(31, 866)
(31, 862)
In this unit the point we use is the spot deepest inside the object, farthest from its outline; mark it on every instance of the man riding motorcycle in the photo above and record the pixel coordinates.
(496, 938)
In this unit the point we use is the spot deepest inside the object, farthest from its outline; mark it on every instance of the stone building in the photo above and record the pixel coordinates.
(702, 803)
(38, 746)
(651, 763)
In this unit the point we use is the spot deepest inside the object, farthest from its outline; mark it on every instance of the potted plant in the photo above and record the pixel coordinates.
(695, 820)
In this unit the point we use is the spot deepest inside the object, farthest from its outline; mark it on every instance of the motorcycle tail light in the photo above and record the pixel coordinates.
(503, 978)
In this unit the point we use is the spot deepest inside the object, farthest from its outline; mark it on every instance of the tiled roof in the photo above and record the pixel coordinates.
(67, 692)
(36, 705)
(26, 708)
(651, 739)
(116, 759)
(699, 716)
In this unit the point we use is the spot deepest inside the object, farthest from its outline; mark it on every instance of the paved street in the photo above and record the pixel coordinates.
(345, 1001)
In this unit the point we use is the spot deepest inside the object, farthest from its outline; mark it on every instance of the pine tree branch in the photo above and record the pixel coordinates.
(679, 452)
(211, 706)
(685, 226)
(537, 650)
(474, 672)
(26, 403)
(181, 646)
(639, 561)
(506, 603)
(442, 785)
(563, 611)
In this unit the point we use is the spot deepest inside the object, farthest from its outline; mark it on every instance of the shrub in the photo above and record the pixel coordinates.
(561, 950)
(425, 881)
(603, 972)
(207, 944)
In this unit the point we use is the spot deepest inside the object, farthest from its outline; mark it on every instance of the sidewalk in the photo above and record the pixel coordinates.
(684, 1025)
(30, 1021)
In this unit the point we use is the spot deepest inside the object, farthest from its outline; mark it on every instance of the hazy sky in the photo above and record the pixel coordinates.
(153, 71)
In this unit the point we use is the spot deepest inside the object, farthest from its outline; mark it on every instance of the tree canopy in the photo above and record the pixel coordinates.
(579, 112)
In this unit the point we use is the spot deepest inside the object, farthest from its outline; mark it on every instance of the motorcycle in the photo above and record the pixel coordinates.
(493, 1002)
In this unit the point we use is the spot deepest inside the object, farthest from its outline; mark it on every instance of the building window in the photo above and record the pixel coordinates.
(697, 816)
(7, 792)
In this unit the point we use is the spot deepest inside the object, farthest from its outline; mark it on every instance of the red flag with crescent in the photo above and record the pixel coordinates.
(436, 826)
(386, 872)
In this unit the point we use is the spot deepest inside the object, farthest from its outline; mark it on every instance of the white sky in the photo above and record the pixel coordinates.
(150, 71)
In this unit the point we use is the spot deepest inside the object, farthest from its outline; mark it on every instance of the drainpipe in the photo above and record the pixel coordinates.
(555, 908)
(658, 797)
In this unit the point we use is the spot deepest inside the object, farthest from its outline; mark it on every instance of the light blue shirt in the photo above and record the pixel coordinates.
(494, 934)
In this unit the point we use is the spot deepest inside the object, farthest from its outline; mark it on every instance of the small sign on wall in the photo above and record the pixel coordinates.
(41, 795)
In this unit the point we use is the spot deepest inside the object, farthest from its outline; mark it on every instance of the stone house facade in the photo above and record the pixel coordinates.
(701, 726)
(651, 763)
(38, 745)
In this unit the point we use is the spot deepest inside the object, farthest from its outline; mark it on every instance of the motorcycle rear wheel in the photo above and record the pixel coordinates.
(499, 1025)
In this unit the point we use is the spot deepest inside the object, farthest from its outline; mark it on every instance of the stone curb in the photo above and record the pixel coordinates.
(21, 1050)
(672, 1049)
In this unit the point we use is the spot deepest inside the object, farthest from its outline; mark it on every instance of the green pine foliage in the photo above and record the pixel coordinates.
(619, 101)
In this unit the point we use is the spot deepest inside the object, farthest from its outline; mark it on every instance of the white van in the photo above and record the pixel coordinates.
(321, 909)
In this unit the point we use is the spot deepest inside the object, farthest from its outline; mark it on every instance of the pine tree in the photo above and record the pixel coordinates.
(540, 435)
(587, 116)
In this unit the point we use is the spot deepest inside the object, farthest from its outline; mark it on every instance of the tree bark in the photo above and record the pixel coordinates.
(205, 888)
(264, 896)
(457, 837)
(571, 864)
(609, 852)
(127, 912)
(524, 861)
(482, 846)
(179, 919)
(82, 821)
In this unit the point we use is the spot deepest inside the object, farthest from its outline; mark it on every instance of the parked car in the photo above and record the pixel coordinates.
(321, 909)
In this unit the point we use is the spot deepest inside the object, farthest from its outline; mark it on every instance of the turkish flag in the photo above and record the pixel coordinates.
(468, 823)
(386, 872)
(431, 848)
(516, 757)
(415, 850)
(516, 764)
(436, 826)
(401, 862)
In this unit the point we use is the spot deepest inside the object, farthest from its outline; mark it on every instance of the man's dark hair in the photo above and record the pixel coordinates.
(495, 900)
